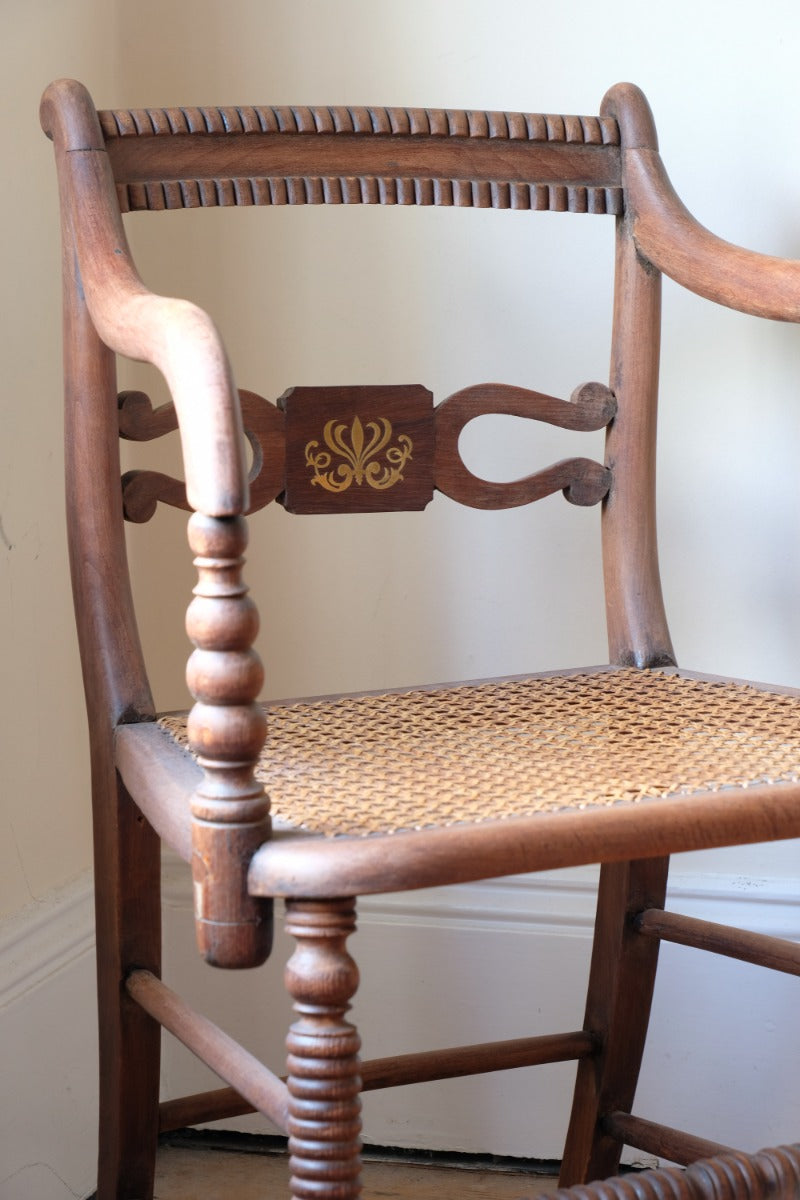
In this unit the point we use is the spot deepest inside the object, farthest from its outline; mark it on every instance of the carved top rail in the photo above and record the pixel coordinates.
(321, 155)
(376, 449)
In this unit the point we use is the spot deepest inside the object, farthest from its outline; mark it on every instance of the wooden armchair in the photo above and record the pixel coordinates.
(621, 765)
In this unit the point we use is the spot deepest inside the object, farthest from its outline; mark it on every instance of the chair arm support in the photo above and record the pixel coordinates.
(672, 240)
(175, 336)
(669, 237)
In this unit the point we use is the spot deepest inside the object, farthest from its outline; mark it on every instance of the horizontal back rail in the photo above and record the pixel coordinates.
(376, 449)
(262, 155)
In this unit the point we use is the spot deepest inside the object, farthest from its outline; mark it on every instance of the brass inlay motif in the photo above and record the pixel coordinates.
(359, 448)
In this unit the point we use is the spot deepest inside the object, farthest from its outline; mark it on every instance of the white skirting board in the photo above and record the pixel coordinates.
(48, 1048)
(442, 967)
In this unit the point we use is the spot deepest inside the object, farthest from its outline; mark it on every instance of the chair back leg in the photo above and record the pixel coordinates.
(621, 982)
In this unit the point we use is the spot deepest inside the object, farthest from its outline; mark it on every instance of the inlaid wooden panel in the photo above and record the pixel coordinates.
(358, 449)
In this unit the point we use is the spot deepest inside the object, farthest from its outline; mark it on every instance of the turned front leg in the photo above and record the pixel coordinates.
(323, 1067)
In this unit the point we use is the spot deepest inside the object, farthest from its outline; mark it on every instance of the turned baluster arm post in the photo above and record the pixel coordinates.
(226, 728)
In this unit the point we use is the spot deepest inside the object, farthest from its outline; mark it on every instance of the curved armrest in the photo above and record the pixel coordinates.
(669, 237)
(173, 335)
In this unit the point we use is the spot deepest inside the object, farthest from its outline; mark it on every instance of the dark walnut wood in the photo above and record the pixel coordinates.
(375, 449)
(776, 953)
(398, 1071)
(356, 449)
(590, 407)
(673, 1144)
(260, 1088)
(620, 992)
(363, 156)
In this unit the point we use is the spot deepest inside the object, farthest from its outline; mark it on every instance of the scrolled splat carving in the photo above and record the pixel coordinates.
(370, 449)
(592, 406)
(139, 421)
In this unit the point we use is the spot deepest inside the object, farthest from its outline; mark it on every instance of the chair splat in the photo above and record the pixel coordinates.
(376, 449)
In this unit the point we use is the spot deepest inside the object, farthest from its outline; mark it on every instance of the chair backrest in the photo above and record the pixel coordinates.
(347, 448)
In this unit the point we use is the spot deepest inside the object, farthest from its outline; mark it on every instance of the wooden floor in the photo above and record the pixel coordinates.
(214, 1174)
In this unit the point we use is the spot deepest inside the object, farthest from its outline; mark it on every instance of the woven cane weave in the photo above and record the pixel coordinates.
(414, 760)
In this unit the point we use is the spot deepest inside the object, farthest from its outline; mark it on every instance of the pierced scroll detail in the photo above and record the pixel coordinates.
(591, 407)
(140, 422)
(360, 449)
(382, 449)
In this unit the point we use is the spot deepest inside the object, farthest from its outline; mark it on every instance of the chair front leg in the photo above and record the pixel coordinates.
(323, 1066)
(128, 907)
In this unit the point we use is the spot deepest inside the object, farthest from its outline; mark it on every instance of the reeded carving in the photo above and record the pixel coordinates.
(368, 189)
(226, 730)
(358, 451)
(589, 181)
(322, 1064)
(409, 122)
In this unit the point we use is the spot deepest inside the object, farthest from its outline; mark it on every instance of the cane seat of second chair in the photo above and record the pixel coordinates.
(621, 764)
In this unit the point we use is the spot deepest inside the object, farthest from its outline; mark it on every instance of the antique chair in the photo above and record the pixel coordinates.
(386, 792)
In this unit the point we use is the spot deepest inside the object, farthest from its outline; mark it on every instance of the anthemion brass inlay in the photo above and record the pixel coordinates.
(359, 448)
